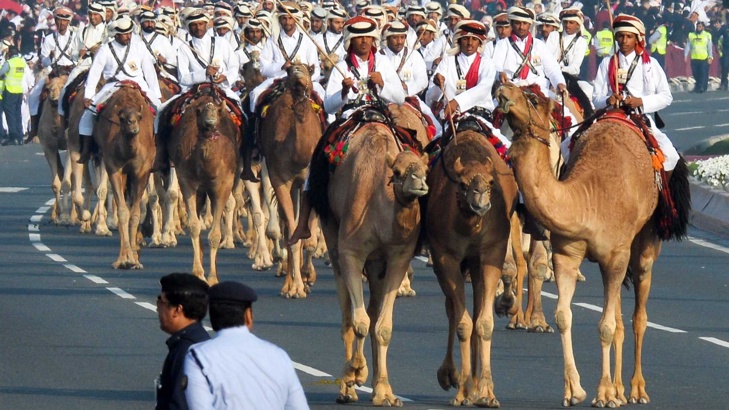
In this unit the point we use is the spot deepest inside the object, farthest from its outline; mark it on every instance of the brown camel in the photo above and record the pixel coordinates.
(371, 221)
(587, 219)
(288, 135)
(53, 140)
(472, 198)
(204, 147)
(125, 136)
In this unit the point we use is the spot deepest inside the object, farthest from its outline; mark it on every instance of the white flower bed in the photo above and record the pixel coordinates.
(713, 171)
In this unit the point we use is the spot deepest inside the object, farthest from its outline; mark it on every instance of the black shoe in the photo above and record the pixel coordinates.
(5, 142)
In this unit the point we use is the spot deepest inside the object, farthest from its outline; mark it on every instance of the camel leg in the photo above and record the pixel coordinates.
(273, 229)
(351, 262)
(538, 267)
(240, 209)
(229, 211)
(172, 197)
(405, 288)
(618, 340)
(137, 190)
(54, 161)
(102, 193)
(85, 204)
(383, 291)
(308, 246)
(613, 272)
(207, 217)
(448, 271)
(195, 226)
(153, 193)
(66, 217)
(646, 249)
(126, 258)
(262, 256)
(485, 276)
(112, 218)
(321, 245)
(517, 320)
(218, 206)
(294, 284)
(565, 269)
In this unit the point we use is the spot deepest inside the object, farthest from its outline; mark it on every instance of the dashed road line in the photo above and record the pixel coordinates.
(689, 128)
(707, 244)
(96, 279)
(715, 341)
(11, 190)
(122, 294)
(56, 257)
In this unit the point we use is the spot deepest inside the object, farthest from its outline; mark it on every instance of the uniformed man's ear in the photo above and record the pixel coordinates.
(248, 318)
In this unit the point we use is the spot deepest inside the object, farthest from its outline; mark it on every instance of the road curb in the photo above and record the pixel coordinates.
(709, 208)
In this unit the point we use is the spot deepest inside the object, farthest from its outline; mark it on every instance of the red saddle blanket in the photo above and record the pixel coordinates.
(178, 107)
(135, 86)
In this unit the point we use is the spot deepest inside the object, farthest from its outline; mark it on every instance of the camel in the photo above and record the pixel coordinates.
(125, 136)
(53, 140)
(371, 221)
(204, 147)
(473, 195)
(287, 143)
(77, 175)
(587, 219)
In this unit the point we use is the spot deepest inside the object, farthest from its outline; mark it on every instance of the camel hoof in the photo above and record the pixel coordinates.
(345, 398)
(511, 326)
(102, 232)
(489, 403)
(598, 403)
(581, 277)
(541, 329)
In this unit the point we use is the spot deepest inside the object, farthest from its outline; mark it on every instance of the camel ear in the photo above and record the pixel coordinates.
(390, 160)
(141, 107)
(458, 166)
(425, 159)
(311, 69)
(489, 164)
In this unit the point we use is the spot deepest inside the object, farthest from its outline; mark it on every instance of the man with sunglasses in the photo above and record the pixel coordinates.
(181, 306)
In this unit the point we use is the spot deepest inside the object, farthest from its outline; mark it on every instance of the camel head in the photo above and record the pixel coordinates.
(53, 89)
(524, 106)
(409, 172)
(208, 114)
(474, 185)
(130, 119)
(299, 79)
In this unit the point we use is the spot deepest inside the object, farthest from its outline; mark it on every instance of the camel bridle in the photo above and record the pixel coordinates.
(395, 180)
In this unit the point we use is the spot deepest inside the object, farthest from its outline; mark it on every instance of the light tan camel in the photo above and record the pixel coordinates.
(77, 176)
(473, 195)
(124, 134)
(371, 221)
(204, 147)
(53, 140)
(587, 218)
(288, 135)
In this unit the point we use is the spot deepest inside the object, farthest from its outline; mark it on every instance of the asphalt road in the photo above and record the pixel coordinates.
(77, 334)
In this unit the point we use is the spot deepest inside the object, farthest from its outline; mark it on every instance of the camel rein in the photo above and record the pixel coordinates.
(98, 114)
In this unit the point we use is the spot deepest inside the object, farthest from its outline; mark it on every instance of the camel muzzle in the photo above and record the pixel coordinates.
(480, 209)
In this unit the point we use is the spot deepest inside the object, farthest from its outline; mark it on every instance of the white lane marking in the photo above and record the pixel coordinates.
(34, 237)
(715, 341)
(703, 99)
(50, 202)
(42, 209)
(310, 370)
(36, 218)
(96, 279)
(689, 128)
(33, 228)
(56, 257)
(41, 247)
(665, 328)
(147, 306)
(11, 189)
(589, 306)
(73, 268)
(722, 125)
(120, 293)
(422, 258)
(707, 244)
(547, 294)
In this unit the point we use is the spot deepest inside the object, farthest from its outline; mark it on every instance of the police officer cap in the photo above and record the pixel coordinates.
(183, 283)
(232, 292)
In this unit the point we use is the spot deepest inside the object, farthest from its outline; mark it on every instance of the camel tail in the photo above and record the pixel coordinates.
(673, 212)
(318, 182)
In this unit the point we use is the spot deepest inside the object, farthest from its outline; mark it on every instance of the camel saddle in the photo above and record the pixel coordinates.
(276, 90)
(174, 112)
(338, 134)
(60, 70)
(133, 85)
(173, 85)
(472, 120)
(414, 103)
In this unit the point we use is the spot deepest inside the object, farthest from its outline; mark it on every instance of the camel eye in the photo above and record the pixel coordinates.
(396, 173)
(463, 186)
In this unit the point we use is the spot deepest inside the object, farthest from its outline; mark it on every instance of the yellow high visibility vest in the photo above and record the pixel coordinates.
(605, 41)
(14, 77)
(660, 45)
(700, 43)
(2, 89)
(588, 37)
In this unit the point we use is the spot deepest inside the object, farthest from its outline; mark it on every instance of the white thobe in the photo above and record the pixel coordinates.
(571, 62)
(507, 60)
(190, 71)
(412, 70)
